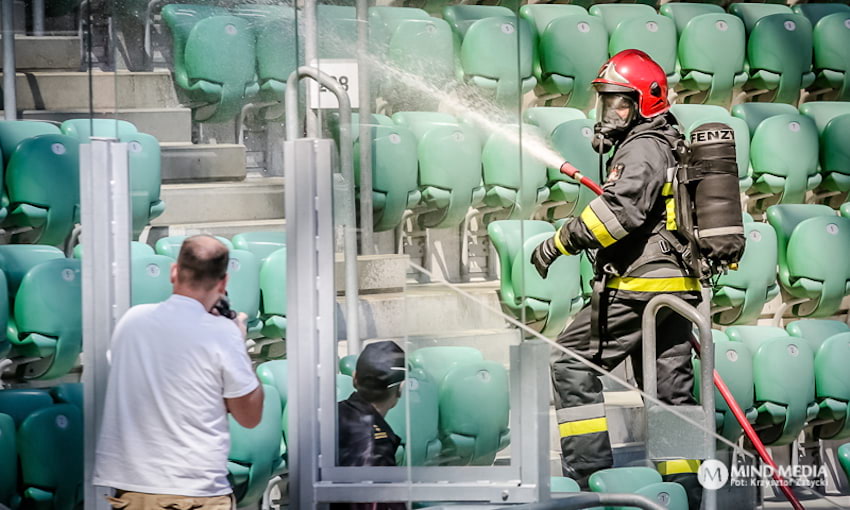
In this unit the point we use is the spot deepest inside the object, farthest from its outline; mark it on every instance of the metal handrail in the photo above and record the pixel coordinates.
(590, 500)
(293, 131)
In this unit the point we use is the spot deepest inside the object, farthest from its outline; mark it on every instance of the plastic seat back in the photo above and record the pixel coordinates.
(257, 449)
(816, 331)
(8, 462)
(832, 384)
(83, 129)
(815, 11)
(17, 259)
(747, 289)
(623, 480)
(338, 24)
(170, 246)
(144, 160)
(547, 118)
(48, 318)
(273, 294)
(151, 278)
(474, 412)
(572, 141)
(13, 132)
(734, 362)
(419, 402)
(541, 15)
(68, 393)
(51, 210)
(683, 12)
(243, 288)
(18, 403)
(219, 85)
(843, 454)
(50, 446)
(262, 244)
(514, 179)
(438, 361)
(394, 174)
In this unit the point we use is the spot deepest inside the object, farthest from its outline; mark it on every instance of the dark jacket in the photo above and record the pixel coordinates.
(628, 223)
(365, 439)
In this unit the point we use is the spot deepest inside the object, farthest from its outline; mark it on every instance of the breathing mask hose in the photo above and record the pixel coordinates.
(724, 391)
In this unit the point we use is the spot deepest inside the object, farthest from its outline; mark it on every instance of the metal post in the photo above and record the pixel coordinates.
(367, 245)
(105, 215)
(650, 380)
(346, 162)
(10, 105)
(311, 54)
(38, 17)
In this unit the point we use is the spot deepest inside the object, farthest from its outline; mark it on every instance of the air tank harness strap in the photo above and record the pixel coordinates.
(599, 311)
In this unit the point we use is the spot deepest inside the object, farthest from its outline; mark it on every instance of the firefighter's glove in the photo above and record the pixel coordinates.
(544, 256)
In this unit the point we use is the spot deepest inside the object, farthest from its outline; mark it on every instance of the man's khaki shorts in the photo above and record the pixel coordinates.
(141, 501)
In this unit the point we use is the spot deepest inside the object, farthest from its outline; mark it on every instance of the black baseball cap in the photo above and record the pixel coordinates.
(380, 366)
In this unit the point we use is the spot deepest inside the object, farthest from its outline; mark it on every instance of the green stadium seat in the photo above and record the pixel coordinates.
(438, 361)
(145, 179)
(419, 401)
(639, 480)
(83, 129)
(816, 12)
(544, 304)
(170, 246)
(741, 294)
(68, 393)
(255, 453)
(51, 210)
(691, 116)
(844, 458)
(832, 384)
(17, 259)
(449, 167)
(816, 331)
(47, 324)
(273, 295)
(779, 51)
(243, 288)
(808, 237)
(150, 278)
(547, 118)
(394, 172)
(833, 121)
(734, 363)
(8, 463)
(484, 35)
(18, 403)
(784, 404)
(216, 88)
(50, 447)
(572, 141)
(347, 364)
(638, 26)
(571, 47)
(587, 276)
(831, 36)
(783, 152)
(417, 45)
(708, 77)
(274, 373)
(137, 249)
(514, 179)
(261, 244)
(13, 132)
(276, 49)
(341, 21)
(562, 484)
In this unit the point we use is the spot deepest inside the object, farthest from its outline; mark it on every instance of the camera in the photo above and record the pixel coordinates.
(223, 308)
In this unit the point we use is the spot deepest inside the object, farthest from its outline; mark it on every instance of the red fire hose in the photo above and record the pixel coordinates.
(573, 172)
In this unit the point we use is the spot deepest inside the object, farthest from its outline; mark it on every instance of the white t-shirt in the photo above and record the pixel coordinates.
(165, 427)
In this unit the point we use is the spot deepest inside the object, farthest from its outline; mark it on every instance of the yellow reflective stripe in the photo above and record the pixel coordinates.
(580, 427)
(559, 244)
(671, 214)
(636, 284)
(675, 467)
(596, 227)
(667, 190)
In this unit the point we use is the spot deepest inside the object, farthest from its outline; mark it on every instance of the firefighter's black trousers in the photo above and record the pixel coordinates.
(585, 445)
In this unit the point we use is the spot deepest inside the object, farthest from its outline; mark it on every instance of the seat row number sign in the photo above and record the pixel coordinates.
(344, 71)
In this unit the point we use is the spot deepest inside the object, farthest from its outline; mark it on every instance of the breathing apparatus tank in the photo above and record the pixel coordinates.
(708, 199)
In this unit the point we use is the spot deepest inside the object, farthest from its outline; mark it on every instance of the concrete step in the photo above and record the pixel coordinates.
(168, 125)
(42, 90)
(226, 229)
(186, 162)
(375, 273)
(251, 199)
(56, 53)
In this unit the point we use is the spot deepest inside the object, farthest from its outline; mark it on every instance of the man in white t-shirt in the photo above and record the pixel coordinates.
(177, 370)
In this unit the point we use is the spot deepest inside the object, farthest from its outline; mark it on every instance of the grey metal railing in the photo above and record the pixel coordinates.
(591, 500)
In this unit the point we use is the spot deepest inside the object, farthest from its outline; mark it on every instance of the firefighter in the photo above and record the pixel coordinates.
(637, 255)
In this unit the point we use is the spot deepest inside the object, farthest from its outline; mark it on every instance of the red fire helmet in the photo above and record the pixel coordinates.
(634, 70)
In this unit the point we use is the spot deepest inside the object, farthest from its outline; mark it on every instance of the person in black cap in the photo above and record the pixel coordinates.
(365, 438)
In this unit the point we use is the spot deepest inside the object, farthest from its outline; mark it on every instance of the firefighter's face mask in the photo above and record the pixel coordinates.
(615, 114)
